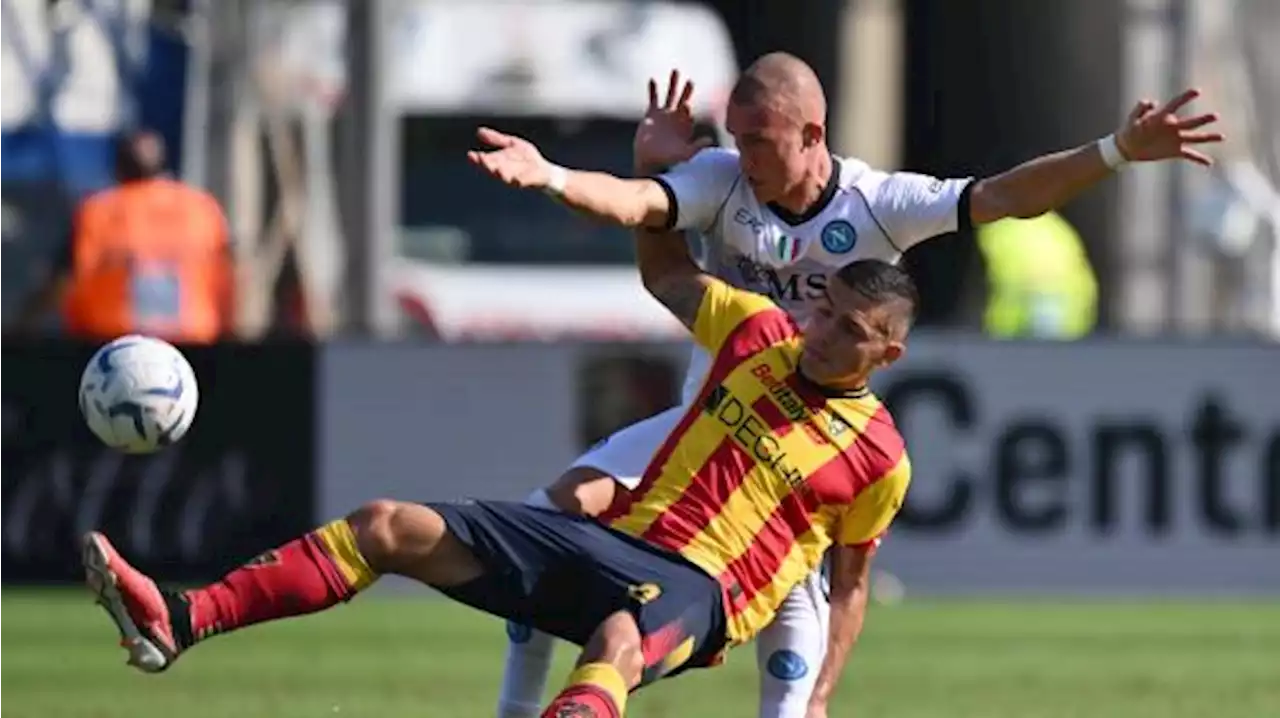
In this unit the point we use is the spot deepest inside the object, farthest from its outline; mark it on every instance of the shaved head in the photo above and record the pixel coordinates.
(777, 115)
(783, 82)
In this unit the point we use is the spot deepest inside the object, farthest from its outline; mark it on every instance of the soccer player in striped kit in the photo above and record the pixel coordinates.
(783, 454)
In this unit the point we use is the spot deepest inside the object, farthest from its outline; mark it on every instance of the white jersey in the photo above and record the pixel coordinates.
(863, 213)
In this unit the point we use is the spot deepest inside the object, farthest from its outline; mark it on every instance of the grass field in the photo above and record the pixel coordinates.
(386, 657)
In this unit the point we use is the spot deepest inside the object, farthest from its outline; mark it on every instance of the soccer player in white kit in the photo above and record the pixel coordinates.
(778, 214)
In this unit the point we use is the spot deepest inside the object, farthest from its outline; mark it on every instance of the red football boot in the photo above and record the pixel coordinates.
(140, 611)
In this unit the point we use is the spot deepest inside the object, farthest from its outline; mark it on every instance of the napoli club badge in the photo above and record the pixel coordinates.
(838, 237)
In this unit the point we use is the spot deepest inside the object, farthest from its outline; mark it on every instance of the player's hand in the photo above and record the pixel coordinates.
(512, 160)
(665, 135)
(1158, 133)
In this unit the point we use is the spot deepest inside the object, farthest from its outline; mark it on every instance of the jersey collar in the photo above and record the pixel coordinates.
(829, 393)
(824, 199)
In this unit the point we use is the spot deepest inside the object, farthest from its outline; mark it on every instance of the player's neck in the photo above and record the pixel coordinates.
(847, 388)
(811, 191)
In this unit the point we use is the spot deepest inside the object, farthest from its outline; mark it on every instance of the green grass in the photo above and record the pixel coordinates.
(385, 657)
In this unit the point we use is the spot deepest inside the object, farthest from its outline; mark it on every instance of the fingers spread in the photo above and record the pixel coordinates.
(1198, 157)
(1178, 102)
(1140, 109)
(686, 95)
(1201, 138)
(1192, 123)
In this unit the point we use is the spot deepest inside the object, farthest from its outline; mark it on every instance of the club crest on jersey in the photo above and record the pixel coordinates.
(838, 426)
(838, 237)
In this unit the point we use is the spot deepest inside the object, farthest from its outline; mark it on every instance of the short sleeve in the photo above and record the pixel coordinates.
(723, 308)
(911, 207)
(872, 510)
(698, 188)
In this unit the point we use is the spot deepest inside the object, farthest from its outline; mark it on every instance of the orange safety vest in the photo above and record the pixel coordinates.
(150, 257)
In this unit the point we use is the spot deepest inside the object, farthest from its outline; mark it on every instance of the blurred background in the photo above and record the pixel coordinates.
(1094, 526)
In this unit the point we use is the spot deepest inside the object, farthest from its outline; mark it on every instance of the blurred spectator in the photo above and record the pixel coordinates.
(150, 255)
(1040, 282)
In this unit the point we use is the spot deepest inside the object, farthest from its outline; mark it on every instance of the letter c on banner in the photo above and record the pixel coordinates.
(945, 391)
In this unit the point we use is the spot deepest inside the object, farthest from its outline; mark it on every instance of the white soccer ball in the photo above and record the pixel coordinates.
(138, 394)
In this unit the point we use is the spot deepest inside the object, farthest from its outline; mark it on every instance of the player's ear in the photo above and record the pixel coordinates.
(813, 134)
(893, 351)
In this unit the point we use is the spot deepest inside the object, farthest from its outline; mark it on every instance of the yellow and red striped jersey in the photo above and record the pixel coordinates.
(765, 470)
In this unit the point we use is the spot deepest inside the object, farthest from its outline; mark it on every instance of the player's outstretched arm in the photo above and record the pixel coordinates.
(517, 163)
(670, 274)
(850, 588)
(1151, 133)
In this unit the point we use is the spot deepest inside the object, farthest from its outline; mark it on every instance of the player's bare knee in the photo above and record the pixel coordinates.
(373, 528)
(617, 642)
(412, 540)
(583, 490)
(378, 534)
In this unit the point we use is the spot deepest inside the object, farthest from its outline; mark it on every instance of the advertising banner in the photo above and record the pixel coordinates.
(1090, 466)
(479, 420)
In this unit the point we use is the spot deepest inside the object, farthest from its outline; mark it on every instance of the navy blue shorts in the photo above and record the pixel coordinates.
(564, 575)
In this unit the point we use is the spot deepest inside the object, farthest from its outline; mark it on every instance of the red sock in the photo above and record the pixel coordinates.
(306, 575)
(595, 690)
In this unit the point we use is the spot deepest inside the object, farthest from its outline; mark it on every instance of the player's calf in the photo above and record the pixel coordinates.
(611, 664)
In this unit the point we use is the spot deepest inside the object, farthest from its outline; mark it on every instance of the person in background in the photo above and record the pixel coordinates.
(1040, 284)
(150, 255)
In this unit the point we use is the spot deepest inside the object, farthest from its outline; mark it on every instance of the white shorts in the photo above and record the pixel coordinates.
(626, 453)
(789, 651)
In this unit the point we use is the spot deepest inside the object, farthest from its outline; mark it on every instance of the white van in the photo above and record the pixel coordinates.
(480, 261)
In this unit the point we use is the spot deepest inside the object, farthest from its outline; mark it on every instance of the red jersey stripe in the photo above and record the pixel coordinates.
(875, 452)
(707, 494)
(755, 569)
(766, 409)
(711, 487)
(753, 334)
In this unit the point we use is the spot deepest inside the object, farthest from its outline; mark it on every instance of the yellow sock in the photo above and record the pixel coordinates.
(340, 543)
(605, 677)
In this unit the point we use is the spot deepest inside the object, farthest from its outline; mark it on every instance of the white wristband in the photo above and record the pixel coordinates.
(557, 179)
(1111, 153)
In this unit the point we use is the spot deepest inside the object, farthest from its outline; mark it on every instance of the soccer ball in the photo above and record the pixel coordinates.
(138, 394)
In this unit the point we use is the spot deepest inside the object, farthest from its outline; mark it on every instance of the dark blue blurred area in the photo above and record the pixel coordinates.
(47, 170)
(39, 152)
